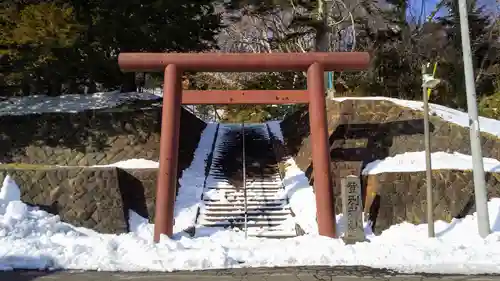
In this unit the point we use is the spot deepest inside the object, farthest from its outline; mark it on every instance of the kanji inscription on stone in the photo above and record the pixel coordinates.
(352, 209)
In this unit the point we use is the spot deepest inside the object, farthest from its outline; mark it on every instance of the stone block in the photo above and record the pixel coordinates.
(84, 197)
(401, 196)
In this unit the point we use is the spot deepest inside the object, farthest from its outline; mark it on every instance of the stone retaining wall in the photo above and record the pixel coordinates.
(95, 198)
(94, 137)
(402, 196)
(362, 131)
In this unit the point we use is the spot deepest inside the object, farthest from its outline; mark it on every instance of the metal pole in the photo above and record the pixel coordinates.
(483, 221)
(244, 177)
(428, 170)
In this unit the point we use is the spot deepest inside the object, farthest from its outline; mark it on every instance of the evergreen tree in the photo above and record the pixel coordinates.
(33, 39)
(55, 46)
(481, 44)
(139, 26)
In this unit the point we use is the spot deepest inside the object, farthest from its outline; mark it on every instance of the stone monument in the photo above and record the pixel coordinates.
(352, 210)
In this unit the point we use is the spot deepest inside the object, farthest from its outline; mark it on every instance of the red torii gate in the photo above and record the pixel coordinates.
(174, 64)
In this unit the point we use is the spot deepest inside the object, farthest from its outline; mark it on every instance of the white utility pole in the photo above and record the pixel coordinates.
(480, 192)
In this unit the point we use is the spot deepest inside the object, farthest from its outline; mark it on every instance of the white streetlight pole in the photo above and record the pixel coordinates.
(483, 221)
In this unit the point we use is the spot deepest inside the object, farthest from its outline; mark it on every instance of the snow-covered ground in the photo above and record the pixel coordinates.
(415, 162)
(69, 103)
(37, 104)
(34, 239)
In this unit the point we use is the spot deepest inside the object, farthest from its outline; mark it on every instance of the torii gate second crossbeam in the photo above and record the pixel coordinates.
(174, 64)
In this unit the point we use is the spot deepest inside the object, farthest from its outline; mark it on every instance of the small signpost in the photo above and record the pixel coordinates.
(353, 210)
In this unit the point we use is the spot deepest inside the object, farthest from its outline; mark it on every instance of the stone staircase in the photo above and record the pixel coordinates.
(268, 214)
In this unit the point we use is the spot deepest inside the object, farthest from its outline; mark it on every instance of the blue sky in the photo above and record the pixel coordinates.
(430, 5)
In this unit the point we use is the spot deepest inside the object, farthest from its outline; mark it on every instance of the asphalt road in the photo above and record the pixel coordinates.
(250, 274)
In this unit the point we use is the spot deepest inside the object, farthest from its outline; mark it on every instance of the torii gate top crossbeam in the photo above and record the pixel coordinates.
(243, 62)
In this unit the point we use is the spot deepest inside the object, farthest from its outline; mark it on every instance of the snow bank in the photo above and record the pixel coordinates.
(133, 164)
(34, 239)
(275, 128)
(415, 162)
(73, 103)
(300, 194)
(301, 197)
(460, 118)
(69, 103)
(192, 182)
(10, 191)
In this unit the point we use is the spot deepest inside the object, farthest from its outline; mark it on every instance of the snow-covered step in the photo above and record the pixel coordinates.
(265, 184)
(241, 200)
(241, 204)
(268, 233)
(217, 194)
(249, 193)
(241, 212)
(262, 193)
(223, 179)
(249, 188)
(224, 187)
(254, 199)
(239, 223)
(254, 221)
(248, 184)
(228, 186)
(250, 196)
(222, 208)
(255, 218)
(249, 199)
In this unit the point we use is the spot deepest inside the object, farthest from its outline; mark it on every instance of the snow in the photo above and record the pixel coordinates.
(275, 128)
(10, 191)
(301, 197)
(300, 194)
(33, 239)
(415, 162)
(133, 164)
(460, 118)
(73, 103)
(192, 182)
(38, 104)
(140, 225)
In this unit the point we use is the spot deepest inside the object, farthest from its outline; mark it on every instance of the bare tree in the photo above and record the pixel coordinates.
(269, 32)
